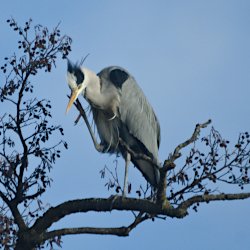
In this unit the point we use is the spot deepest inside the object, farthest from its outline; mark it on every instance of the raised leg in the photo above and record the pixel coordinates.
(125, 186)
(98, 147)
(77, 119)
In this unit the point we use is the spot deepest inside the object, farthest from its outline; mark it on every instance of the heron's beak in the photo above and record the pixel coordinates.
(75, 93)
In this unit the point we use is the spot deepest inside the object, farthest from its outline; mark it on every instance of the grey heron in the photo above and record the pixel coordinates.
(121, 112)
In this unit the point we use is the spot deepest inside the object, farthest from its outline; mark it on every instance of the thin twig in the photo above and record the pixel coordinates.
(189, 141)
(212, 197)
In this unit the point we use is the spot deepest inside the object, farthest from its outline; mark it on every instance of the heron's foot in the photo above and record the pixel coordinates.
(113, 199)
(124, 193)
(153, 195)
(166, 204)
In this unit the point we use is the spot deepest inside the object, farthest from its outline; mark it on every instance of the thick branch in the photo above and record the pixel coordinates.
(118, 231)
(17, 216)
(54, 214)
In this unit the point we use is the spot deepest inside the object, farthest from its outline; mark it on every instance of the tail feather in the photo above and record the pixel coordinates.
(149, 171)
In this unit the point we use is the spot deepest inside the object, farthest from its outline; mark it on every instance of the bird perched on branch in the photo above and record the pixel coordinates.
(125, 121)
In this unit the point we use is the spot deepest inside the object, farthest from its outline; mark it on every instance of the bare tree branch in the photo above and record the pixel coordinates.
(54, 214)
(212, 197)
(4, 198)
(17, 216)
(189, 141)
(169, 163)
(118, 231)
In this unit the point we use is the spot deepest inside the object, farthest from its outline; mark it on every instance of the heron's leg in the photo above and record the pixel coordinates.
(98, 147)
(125, 186)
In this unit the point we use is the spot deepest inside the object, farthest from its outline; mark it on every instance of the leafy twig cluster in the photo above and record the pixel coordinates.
(26, 158)
(202, 169)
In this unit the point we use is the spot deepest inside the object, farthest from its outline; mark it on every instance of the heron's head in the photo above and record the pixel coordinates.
(78, 79)
(75, 78)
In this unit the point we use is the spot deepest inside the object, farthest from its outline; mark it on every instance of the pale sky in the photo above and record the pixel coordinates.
(192, 59)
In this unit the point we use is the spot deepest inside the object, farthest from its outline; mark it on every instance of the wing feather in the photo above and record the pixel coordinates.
(139, 117)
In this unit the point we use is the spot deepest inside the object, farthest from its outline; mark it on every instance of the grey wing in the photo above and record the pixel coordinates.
(140, 120)
(135, 111)
(139, 116)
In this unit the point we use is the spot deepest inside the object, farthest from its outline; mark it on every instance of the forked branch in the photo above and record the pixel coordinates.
(146, 208)
(169, 163)
(189, 141)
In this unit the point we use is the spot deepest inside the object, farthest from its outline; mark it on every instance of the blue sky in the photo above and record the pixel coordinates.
(192, 60)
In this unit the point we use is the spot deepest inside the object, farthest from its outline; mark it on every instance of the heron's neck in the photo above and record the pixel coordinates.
(93, 87)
